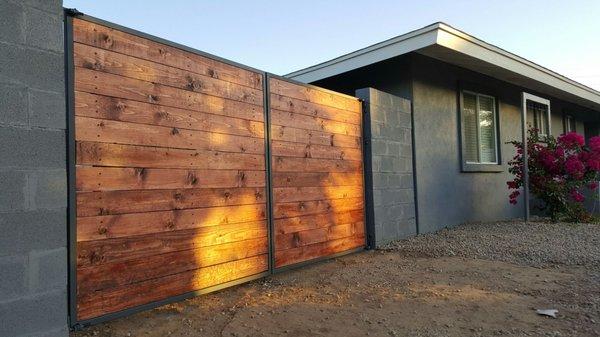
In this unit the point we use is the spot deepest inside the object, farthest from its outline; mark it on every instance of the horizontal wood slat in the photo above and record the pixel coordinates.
(317, 178)
(118, 64)
(102, 154)
(314, 95)
(130, 224)
(111, 39)
(115, 274)
(119, 298)
(290, 104)
(170, 171)
(96, 82)
(117, 178)
(119, 109)
(138, 201)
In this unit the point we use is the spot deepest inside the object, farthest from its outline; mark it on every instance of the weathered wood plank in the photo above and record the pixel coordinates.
(315, 95)
(111, 39)
(115, 299)
(291, 134)
(299, 150)
(129, 224)
(93, 253)
(116, 178)
(102, 154)
(116, 132)
(96, 82)
(302, 223)
(305, 253)
(112, 275)
(291, 194)
(93, 58)
(300, 179)
(289, 164)
(139, 201)
(299, 121)
(312, 236)
(295, 209)
(290, 104)
(119, 109)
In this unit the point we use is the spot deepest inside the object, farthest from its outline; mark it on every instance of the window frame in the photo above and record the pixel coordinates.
(466, 166)
(566, 118)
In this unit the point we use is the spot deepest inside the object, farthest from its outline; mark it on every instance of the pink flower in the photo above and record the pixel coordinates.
(595, 143)
(593, 185)
(559, 151)
(571, 140)
(576, 196)
(511, 184)
(574, 167)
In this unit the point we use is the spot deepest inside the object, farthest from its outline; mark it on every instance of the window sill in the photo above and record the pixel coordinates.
(474, 168)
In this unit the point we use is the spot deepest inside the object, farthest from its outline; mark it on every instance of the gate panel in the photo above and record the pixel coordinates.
(317, 173)
(170, 171)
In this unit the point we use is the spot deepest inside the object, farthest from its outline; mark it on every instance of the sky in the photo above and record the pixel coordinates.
(284, 36)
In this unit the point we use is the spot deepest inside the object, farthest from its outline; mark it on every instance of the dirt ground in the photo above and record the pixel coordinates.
(473, 280)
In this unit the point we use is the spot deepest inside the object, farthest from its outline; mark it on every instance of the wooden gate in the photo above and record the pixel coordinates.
(317, 173)
(170, 183)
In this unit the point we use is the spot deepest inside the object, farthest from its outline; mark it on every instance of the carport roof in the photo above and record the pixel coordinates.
(448, 44)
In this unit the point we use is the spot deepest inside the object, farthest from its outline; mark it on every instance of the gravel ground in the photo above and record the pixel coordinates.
(535, 244)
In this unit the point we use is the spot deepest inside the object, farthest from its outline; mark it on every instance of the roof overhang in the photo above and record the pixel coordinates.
(442, 42)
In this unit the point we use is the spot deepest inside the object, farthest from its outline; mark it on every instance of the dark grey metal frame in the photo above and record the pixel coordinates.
(368, 177)
(76, 324)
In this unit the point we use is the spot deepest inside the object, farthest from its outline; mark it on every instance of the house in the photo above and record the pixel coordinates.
(467, 97)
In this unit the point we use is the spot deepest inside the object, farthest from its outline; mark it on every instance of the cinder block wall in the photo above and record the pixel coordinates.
(393, 198)
(33, 184)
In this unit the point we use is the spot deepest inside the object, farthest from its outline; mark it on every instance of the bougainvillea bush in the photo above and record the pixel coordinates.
(559, 171)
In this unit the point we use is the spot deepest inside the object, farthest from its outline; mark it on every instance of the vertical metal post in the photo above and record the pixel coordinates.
(368, 172)
(71, 155)
(525, 156)
(268, 172)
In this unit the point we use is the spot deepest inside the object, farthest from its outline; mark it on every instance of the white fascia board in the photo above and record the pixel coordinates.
(382, 51)
(460, 42)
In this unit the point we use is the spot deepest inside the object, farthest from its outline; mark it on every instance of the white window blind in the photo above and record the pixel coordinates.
(479, 128)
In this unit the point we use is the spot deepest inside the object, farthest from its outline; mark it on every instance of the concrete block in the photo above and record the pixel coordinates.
(51, 6)
(36, 68)
(406, 181)
(12, 25)
(34, 315)
(13, 191)
(404, 120)
(10, 240)
(393, 148)
(48, 270)
(48, 109)
(59, 332)
(44, 30)
(47, 189)
(35, 148)
(43, 229)
(13, 104)
(379, 147)
(12, 276)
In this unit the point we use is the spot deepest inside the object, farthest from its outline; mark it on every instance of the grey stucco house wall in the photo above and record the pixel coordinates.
(424, 68)
(33, 197)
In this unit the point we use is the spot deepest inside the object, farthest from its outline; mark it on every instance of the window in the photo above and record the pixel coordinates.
(541, 115)
(479, 130)
(569, 124)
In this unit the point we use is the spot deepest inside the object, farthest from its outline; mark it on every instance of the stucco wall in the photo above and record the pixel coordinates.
(33, 184)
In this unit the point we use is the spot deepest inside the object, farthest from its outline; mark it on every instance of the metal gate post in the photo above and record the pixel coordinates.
(268, 172)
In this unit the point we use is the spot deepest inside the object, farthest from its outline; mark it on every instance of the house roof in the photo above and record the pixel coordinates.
(451, 45)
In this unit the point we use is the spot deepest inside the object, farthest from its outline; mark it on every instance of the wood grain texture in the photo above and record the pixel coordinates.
(316, 155)
(314, 95)
(117, 178)
(111, 39)
(119, 109)
(122, 297)
(170, 171)
(123, 65)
